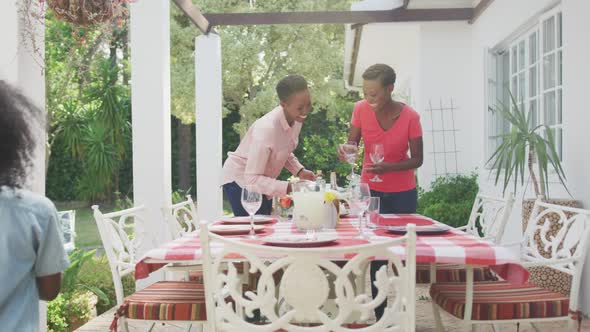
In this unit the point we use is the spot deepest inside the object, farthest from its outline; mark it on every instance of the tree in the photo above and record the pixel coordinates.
(256, 57)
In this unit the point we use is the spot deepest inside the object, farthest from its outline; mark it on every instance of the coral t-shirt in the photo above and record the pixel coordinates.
(395, 142)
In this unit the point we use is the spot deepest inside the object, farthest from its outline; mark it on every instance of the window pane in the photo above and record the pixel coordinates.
(558, 142)
(534, 113)
(514, 87)
(559, 67)
(513, 59)
(521, 87)
(549, 71)
(533, 55)
(559, 34)
(503, 95)
(533, 81)
(549, 108)
(521, 55)
(559, 106)
(549, 34)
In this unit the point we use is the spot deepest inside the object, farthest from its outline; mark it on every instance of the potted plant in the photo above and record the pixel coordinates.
(533, 148)
(527, 147)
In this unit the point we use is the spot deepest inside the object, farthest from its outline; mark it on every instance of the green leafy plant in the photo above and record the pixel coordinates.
(73, 306)
(450, 199)
(71, 281)
(524, 146)
(96, 272)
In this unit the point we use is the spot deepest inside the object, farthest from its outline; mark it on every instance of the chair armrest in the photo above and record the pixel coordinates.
(179, 267)
(550, 262)
(511, 244)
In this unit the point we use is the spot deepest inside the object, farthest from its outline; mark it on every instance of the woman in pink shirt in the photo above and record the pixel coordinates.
(380, 119)
(267, 147)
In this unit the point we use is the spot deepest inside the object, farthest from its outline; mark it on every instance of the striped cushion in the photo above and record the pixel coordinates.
(195, 276)
(452, 273)
(167, 300)
(497, 300)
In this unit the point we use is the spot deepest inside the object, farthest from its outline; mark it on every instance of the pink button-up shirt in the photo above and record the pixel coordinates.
(264, 151)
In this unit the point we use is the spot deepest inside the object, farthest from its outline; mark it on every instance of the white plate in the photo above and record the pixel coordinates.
(424, 230)
(234, 229)
(299, 240)
(258, 219)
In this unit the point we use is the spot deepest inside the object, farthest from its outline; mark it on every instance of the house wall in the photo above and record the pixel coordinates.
(499, 23)
(443, 79)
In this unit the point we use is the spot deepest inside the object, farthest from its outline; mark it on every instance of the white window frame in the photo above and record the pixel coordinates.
(520, 74)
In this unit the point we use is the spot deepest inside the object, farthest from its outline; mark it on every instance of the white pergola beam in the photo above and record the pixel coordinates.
(208, 126)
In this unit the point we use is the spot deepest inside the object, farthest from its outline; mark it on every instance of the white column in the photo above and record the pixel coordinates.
(150, 97)
(23, 68)
(208, 126)
(9, 40)
(575, 118)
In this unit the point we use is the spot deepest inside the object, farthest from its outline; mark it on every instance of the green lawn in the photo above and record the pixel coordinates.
(86, 230)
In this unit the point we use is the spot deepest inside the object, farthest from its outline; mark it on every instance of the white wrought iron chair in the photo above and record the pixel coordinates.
(501, 302)
(170, 302)
(181, 217)
(299, 301)
(489, 216)
(487, 221)
(67, 221)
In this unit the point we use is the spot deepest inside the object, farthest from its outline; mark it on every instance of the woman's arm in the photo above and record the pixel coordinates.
(415, 161)
(258, 158)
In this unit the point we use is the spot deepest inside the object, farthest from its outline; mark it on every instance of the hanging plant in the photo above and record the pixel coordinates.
(89, 12)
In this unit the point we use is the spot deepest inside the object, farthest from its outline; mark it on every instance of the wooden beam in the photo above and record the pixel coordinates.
(358, 31)
(479, 9)
(341, 17)
(194, 14)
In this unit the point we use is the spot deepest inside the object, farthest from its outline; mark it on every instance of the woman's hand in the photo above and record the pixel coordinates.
(306, 175)
(378, 168)
(341, 154)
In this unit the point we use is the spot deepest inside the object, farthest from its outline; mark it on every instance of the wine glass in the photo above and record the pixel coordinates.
(251, 201)
(373, 212)
(360, 195)
(377, 155)
(350, 150)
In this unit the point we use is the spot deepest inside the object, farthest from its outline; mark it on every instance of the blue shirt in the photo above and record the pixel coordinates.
(30, 247)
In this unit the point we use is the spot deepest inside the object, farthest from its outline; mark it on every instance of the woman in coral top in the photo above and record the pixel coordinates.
(380, 119)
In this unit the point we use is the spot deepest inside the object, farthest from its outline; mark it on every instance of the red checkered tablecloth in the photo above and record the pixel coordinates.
(452, 247)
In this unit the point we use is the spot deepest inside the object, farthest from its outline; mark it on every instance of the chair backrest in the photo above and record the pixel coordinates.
(67, 220)
(567, 250)
(181, 217)
(122, 233)
(304, 290)
(489, 216)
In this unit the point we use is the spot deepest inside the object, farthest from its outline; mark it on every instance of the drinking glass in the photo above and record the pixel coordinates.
(350, 150)
(377, 155)
(373, 212)
(251, 201)
(360, 194)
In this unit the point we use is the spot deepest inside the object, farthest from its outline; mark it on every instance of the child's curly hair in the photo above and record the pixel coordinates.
(18, 120)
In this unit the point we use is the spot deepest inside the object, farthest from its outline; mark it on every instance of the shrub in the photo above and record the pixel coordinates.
(73, 306)
(450, 199)
(97, 273)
